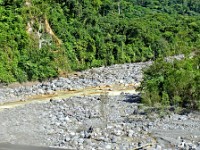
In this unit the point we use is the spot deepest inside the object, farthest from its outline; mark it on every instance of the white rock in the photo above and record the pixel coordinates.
(108, 146)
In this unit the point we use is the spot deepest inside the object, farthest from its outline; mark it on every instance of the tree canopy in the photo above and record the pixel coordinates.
(43, 39)
(175, 83)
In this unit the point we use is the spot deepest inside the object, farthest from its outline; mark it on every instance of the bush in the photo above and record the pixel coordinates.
(175, 83)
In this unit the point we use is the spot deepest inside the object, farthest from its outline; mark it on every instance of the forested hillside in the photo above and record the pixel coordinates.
(41, 39)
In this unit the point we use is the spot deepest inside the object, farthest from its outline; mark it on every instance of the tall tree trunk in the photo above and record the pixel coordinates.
(119, 9)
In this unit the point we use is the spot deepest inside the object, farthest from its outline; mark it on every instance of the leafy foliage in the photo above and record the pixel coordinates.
(173, 83)
(91, 33)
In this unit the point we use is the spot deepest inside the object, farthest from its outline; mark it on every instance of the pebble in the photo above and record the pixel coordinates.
(130, 133)
(108, 146)
(67, 139)
(158, 147)
(117, 132)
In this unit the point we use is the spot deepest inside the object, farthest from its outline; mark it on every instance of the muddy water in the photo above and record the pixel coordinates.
(113, 90)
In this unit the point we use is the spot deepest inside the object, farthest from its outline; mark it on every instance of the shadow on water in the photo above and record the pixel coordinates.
(132, 98)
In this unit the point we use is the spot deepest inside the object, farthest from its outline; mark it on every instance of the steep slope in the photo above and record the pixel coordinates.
(43, 39)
